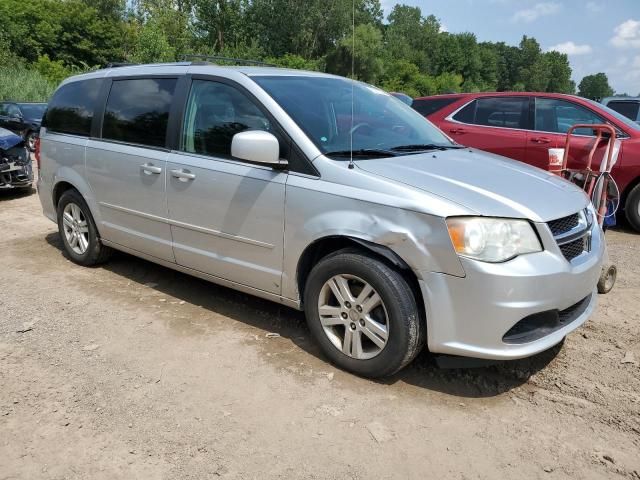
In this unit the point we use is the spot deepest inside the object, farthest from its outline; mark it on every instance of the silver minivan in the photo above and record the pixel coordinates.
(326, 195)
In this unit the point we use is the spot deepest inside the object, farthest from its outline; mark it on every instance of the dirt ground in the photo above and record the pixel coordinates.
(131, 370)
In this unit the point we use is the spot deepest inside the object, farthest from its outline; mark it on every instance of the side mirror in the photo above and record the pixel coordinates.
(257, 146)
(17, 116)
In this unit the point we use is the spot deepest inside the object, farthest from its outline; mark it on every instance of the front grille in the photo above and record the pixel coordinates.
(572, 234)
(563, 225)
(539, 325)
(573, 249)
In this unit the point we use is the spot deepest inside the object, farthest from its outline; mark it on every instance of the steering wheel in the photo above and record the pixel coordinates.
(356, 127)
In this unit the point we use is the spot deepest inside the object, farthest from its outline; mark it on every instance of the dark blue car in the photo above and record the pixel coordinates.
(23, 119)
(15, 161)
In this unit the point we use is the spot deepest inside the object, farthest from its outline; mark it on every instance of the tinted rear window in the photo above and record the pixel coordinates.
(427, 107)
(137, 111)
(628, 109)
(72, 106)
(504, 112)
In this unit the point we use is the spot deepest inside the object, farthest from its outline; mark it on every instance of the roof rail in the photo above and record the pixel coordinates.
(236, 61)
(118, 64)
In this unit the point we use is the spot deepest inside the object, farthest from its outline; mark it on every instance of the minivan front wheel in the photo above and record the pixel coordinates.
(363, 314)
(78, 231)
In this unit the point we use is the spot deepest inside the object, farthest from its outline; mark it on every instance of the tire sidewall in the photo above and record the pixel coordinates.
(631, 208)
(72, 196)
(394, 354)
(26, 139)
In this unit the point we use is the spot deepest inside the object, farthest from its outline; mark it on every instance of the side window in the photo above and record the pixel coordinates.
(467, 114)
(504, 112)
(72, 106)
(628, 109)
(137, 111)
(3, 109)
(13, 111)
(557, 116)
(426, 107)
(215, 113)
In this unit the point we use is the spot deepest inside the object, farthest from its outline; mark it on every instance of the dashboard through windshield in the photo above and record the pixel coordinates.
(342, 116)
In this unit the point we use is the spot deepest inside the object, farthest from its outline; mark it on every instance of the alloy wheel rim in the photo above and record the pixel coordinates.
(76, 229)
(353, 317)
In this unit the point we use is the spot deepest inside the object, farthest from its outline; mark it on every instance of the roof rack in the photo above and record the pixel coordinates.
(215, 58)
(118, 64)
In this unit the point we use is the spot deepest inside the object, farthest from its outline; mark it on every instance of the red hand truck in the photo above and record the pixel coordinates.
(595, 183)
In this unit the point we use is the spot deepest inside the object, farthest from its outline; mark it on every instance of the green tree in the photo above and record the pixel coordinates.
(152, 45)
(596, 87)
(366, 59)
(559, 73)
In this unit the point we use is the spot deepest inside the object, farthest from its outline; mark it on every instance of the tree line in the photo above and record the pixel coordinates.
(408, 51)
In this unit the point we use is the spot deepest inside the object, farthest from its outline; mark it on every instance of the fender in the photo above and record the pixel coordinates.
(76, 180)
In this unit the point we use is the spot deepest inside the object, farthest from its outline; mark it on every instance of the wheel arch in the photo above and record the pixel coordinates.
(67, 178)
(324, 246)
(59, 189)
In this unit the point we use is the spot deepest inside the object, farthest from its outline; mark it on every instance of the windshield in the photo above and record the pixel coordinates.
(618, 116)
(33, 110)
(380, 125)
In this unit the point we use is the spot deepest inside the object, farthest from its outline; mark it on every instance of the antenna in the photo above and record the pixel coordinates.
(353, 79)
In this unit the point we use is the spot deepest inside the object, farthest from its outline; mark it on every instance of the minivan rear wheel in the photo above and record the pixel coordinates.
(363, 314)
(78, 231)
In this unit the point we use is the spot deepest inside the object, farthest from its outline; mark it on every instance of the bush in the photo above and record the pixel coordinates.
(53, 70)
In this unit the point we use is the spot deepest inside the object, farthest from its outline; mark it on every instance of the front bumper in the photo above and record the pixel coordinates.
(469, 316)
(16, 175)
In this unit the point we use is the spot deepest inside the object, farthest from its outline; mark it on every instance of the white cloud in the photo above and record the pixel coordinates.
(542, 9)
(443, 28)
(570, 48)
(627, 35)
(595, 7)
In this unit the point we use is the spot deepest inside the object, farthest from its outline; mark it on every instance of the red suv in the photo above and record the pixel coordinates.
(523, 126)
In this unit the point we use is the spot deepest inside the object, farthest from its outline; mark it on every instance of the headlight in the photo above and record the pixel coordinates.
(492, 239)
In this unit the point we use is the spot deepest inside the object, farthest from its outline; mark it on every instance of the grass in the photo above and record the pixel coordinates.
(22, 84)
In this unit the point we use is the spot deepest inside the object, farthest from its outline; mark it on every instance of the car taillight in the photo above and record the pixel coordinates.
(36, 153)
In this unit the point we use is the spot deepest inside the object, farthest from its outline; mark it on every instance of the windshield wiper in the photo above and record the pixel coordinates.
(363, 153)
(425, 146)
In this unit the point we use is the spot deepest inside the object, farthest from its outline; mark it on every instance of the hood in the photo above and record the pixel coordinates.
(8, 139)
(487, 184)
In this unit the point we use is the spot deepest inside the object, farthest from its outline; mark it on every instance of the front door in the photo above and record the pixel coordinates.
(226, 215)
(492, 124)
(553, 118)
(127, 167)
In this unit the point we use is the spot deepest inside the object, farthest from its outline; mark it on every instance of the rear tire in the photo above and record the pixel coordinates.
(632, 208)
(388, 329)
(78, 231)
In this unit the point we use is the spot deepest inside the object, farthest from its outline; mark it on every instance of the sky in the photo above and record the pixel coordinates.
(598, 35)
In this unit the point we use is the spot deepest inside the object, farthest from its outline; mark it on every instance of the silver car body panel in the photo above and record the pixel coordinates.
(247, 226)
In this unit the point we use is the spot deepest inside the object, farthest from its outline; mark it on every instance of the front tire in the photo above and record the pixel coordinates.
(632, 208)
(78, 231)
(30, 140)
(363, 314)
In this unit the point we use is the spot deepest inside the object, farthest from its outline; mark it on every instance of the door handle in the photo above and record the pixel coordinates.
(150, 169)
(458, 131)
(183, 175)
(541, 140)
